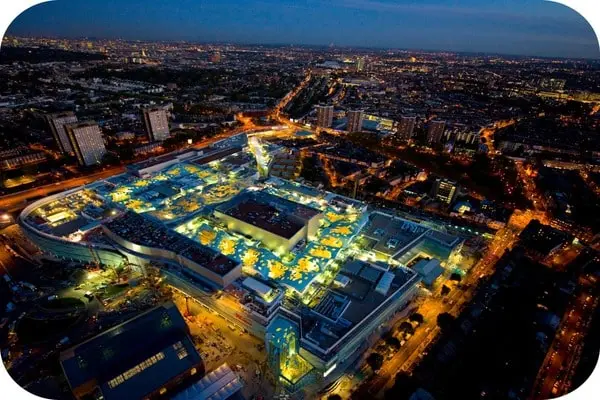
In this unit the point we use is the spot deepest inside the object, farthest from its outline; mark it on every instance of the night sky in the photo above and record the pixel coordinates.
(529, 27)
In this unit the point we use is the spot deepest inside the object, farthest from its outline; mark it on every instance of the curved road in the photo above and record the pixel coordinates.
(18, 200)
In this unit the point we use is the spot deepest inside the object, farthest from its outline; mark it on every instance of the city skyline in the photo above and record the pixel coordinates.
(535, 28)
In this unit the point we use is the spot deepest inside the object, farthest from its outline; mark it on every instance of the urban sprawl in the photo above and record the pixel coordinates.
(195, 221)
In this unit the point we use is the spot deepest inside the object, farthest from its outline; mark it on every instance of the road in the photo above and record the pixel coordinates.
(13, 202)
(276, 113)
(530, 187)
(410, 354)
(290, 96)
(425, 334)
(556, 372)
(416, 346)
(488, 133)
(17, 201)
(586, 178)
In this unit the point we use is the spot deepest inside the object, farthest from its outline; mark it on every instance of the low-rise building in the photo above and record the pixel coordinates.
(428, 270)
(146, 357)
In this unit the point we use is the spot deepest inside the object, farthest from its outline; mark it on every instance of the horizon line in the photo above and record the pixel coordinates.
(330, 46)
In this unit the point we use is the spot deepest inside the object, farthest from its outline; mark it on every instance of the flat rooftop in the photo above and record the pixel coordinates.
(219, 384)
(146, 232)
(308, 262)
(156, 339)
(69, 214)
(361, 291)
(266, 217)
(81, 124)
(216, 155)
(271, 213)
(542, 238)
(347, 307)
(390, 235)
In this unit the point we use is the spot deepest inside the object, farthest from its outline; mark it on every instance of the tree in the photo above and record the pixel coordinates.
(445, 290)
(126, 151)
(375, 361)
(404, 387)
(416, 317)
(445, 321)
(406, 327)
(455, 277)
(56, 163)
(110, 158)
(393, 342)
(364, 139)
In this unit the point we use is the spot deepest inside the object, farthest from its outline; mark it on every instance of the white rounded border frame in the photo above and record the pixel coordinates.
(11, 9)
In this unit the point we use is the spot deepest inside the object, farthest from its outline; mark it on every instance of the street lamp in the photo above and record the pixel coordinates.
(5, 218)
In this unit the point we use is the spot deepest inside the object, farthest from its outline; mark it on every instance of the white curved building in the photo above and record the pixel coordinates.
(65, 247)
(125, 219)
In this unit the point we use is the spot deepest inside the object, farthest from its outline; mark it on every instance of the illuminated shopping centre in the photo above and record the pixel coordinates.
(316, 274)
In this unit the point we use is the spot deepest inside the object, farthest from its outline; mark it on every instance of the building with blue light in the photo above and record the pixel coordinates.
(315, 274)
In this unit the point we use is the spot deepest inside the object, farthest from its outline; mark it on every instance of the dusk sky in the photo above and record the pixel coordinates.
(530, 27)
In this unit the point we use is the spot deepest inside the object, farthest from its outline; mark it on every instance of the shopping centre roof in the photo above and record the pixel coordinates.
(345, 307)
(220, 384)
(173, 208)
(268, 212)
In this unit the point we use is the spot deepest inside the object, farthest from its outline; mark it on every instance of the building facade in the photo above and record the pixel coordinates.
(467, 137)
(157, 124)
(360, 64)
(445, 190)
(406, 128)
(57, 124)
(21, 159)
(324, 116)
(87, 142)
(355, 120)
(435, 132)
